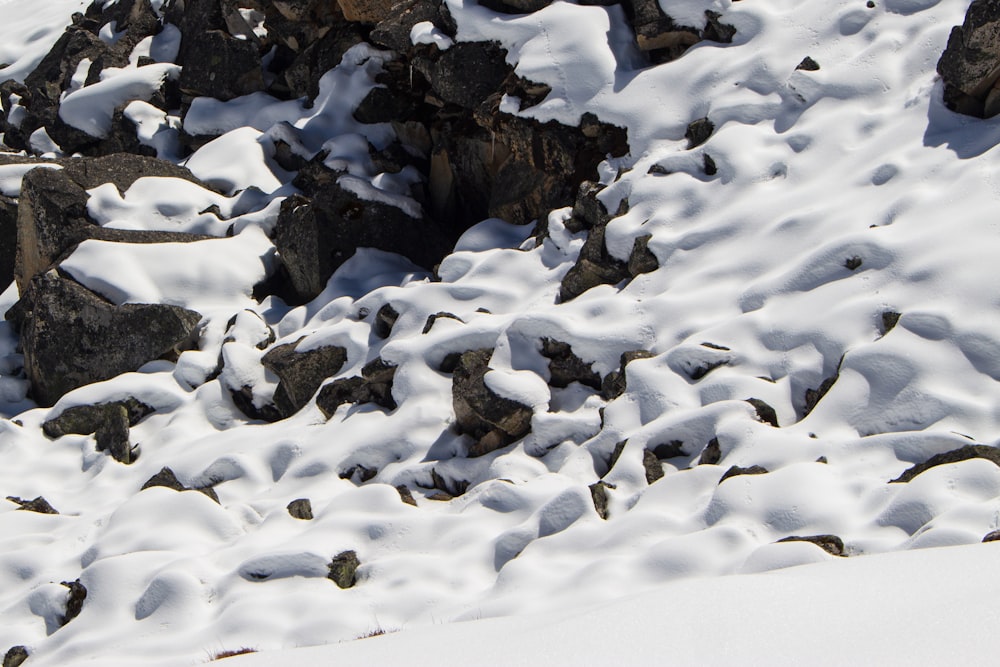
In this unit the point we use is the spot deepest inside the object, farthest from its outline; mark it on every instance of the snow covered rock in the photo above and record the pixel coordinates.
(301, 373)
(970, 65)
(491, 420)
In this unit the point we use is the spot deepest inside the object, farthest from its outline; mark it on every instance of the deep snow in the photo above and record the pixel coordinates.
(859, 159)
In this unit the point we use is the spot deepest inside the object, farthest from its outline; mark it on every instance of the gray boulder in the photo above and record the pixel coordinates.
(491, 420)
(301, 373)
(72, 337)
(965, 453)
(970, 64)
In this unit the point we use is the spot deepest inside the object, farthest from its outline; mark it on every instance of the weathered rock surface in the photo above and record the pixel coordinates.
(86, 419)
(15, 656)
(301, 373)
(74, 603)
(615, 383)
(301, 508)
(653, 467)
(736, 471)
(565, 367)
(831, 544)
(492, 421)
(344, 568)
(167, 478)
(39, 505)
(72, 337)
(970, 64)
(374, 385)
(956, 455)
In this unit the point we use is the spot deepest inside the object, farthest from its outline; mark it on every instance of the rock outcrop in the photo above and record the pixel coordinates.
(491, 420)
(970, 64)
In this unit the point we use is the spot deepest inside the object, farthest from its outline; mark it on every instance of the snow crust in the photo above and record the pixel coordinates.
(859, 160)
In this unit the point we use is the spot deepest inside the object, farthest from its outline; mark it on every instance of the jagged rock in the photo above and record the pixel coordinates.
(717, 31)
(831, 544)
(492, 421)
(301, 373)
(736, 471)
(123, 170)
(814, 396)
(74, 604)
(992, 536)
(221, 66)
(309, 57)
(243, 399)
(168, 479)
(452, 488)
(15, 656)
(668, 450)
(970, 64)
(599, 493)
(374, 385)
(363, 473)
(615, 383)
(469, 72)
(8, 238)
(565, 367)
(961, 454)
(889, 321)
(72, 337)
(808, 65)
(86, 419)
(616, 454)
(642, 260)
(384, 105)
(39, 505)
(405, 495)
(393, 32)
(301, 509)
(112, 435)
(315, 236)
(650, 462)
(431, 319)
(385, 319)
(656, 33)
(698, 132)
(344, 568)
(712, 453)
(594, 266)
(765, 413)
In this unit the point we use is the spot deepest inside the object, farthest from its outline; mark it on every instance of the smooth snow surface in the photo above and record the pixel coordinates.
(841, 194)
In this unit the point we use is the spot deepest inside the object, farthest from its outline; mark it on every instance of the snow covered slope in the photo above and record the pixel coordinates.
(821, 318)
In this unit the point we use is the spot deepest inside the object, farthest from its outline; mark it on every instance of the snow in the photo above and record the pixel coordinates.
(859, 159)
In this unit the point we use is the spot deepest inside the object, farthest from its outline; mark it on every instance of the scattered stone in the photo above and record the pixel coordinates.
(15, 656)
(374, 385)
(385, 319)
(956, 455)
(492, 421)
(616, 382)
(168, 479)
(641, 259)
(736, 471)
(765, 413)
(698, 132)
(301, 509)
(405, 495)
(74, 604)
(39, 505)
(831, 544)
(301, 373)
(344, 568)
(654, 469)
(889, 321)
(853, 263)
(712, 453)
(72, 337)
(808, 65)
(599, 492)
(565, 367)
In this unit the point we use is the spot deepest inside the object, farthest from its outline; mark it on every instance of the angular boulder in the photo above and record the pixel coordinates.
(301, 373)
(72, 337)
(491, 420)
(970, 64)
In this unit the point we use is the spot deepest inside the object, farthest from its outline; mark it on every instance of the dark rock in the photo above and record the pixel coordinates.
(970, 64)
(852, 263)
(312, 48)
(344, 568)
(301, 509)
(383, 105)
(656, 33)
(243, 400)
(616, 382)
(123, 170)
(717, 31)
(15, 657)
(813, 396)
(39, 505)
(594, 266)
(469, 72)
(889, 321)
(74, 604)
(492, 421)
(698, 132)
(393, 32)
(669, 450)
(515, 6)
(112, 435)
(168, 479)
(374, 385)
(301, 373)
(87, 419)
(956, 455)
(765, 413)
(654, 470)
(992, 536)
(431, 319)
(453, 488)
(221, 66)
(565, 367)
(367, 11)
(599, 493)
(736, 471)
(709, 165)
(831, 544)
(8, 238)
(450, 362)
(405, 495)
(72, 337)
(642, 260)
(712, 453)
(385, 318)
(808, 65)
(363, 473)
(616, 454)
